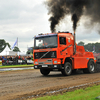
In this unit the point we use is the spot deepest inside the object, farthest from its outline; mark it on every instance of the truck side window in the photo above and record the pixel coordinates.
(62, 40)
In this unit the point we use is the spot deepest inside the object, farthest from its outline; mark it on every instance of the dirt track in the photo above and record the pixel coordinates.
(19, 85)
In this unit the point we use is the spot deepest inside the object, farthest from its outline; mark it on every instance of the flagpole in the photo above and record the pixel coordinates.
(17, 41)
(17, 44)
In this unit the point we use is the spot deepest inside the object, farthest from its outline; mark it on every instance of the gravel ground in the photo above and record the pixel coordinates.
(20, 85)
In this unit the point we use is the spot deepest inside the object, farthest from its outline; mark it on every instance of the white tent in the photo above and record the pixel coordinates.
(16, 53)
(21, 53)
(5, 51)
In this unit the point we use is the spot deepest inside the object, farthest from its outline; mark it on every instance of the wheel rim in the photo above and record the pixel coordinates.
(68, 69)
(92, 67)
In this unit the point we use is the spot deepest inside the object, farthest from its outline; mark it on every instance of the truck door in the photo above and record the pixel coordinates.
(63, 45)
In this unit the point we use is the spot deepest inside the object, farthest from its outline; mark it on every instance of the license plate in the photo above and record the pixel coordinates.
(44, 66)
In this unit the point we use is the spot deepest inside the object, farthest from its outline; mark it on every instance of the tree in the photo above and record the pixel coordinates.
(97, 47)
(81, 43)
(30, 50)
(3, 44)
(91, 46)
(16, 49)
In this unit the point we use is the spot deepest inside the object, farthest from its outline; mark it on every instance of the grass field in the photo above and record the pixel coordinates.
(12, 66)
(89, 93)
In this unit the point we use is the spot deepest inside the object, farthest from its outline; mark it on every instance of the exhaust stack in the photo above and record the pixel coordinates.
(74, 44)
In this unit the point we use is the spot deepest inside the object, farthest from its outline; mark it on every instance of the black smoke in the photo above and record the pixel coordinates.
(75, 20)
(58, 9)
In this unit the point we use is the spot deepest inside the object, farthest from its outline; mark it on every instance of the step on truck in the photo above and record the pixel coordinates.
(59, 51)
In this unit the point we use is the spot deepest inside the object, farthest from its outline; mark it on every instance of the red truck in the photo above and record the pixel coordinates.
(59, 51)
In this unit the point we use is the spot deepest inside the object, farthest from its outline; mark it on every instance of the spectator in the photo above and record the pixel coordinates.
(0, 58)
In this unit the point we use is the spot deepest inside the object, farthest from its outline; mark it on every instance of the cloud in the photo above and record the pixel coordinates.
(85, 33)
(26, 18)
(22, 19)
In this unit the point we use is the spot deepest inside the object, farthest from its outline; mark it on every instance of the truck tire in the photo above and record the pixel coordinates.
(45, 72)
(67, 69)
(91, 67)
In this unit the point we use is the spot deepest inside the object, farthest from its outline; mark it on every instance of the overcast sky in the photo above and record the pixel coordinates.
(26, 18)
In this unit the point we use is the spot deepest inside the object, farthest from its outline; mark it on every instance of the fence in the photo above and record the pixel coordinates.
(16, 60)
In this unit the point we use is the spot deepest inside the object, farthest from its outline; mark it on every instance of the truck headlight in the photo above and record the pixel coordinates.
(36, 62)
(55, 61)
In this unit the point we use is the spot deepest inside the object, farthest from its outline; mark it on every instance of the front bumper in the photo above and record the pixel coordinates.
(48, 66)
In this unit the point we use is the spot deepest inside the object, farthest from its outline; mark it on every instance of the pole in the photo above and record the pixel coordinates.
(17, 41)
(17, 45)
(74, 43)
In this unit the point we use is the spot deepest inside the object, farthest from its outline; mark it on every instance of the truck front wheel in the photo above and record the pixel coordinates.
(45, 71)
(67, 69)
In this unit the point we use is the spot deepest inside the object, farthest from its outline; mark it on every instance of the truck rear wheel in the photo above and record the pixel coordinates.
(45, 71)
(91, 67)
(67, 69)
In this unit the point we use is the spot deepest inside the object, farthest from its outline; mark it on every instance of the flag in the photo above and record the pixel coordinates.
(94, 48)
(15, 43)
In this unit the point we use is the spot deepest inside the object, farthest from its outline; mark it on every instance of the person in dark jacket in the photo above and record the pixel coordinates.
(0, 57)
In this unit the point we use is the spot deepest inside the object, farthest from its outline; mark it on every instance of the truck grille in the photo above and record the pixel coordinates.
(51, 54)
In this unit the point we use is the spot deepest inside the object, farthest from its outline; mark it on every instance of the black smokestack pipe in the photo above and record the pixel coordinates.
(74, 44)
(75, 20)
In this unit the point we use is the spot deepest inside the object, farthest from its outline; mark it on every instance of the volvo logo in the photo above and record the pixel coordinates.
(53, 54)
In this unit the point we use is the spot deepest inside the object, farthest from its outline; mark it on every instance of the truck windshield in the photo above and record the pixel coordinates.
(45, 42)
